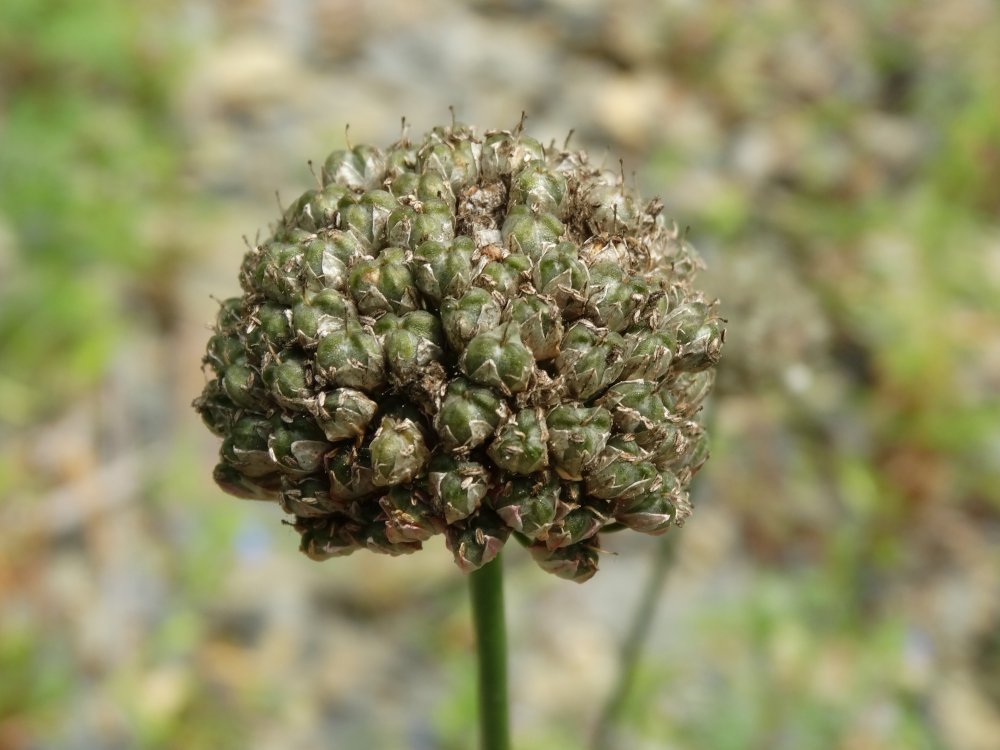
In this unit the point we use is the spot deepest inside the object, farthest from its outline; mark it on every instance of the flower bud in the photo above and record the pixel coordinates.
(498, 358)
(577, 435)
(590, 359)
(297, 447)
(443, 270)
(415, 342)
(620, 472)
(519, 446)
(577, 562)
(398, 452)
(351, 358)
(409, 516)
(464, 318)
(468, 416)
(343, 413)
(306, 497)
(476, 541)
(574, 527)
(539, 324)
(457, 487)
(360, 168)
(539, 188)
(561, 275)
(529, 506)
(530, 232)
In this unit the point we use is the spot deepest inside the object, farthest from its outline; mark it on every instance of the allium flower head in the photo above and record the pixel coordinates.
(471, 336)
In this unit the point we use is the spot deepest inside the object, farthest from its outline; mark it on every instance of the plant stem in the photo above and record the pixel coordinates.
(486, 589)
(632, 646)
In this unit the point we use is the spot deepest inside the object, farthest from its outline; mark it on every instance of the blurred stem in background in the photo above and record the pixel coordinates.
(633, 645)
(486, 590)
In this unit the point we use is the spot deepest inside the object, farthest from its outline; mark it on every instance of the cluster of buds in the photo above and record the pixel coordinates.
(474, 336)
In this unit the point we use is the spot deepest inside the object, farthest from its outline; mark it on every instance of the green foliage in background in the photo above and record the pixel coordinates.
(88, 162)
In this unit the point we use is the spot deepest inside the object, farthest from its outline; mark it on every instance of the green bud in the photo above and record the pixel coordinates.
(243, 387)
(539, 188)
(432, 186)
(398, 452)
(322, 209)
(468, 416)
(504, 153)
(590, 359)
(411, 225)
(404, 184)
(215, 407)
(457, 487)
(344, 413)
(612, 209)
(351, 358)
(690, 390)
(351, 475)
(574, 527)
(245, 447)
(225, 349)
(269, 328)
(654, 511)
(275, 271)
(529, 232)
(330, 536)
(637, 408)
(322, 268)
(297, 446)
(321, 314)
(577, 562)
(498, 358)
(648, 355)
(297, 215)
(323, 254)
(505, 277)
(409, 517)
(539, 324)
(562, 276)
(685, 449)
(443, 270)
(233, 481)
(416, 342)
(229, 319)
(577, 435)
(306, 497)
(360, 168)
(401, 160)
(455, 161)
(519, 446)
(620, 472)
(702, 347)
(384, 284)
(529, 505)
(288, 380)
(464, 318)
(367, 216)
(477, 541)
(614, 301)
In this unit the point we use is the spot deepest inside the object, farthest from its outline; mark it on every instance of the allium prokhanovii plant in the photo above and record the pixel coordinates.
(472, 336)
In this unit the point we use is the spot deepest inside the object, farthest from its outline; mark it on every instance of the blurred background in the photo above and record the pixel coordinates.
(838, 164)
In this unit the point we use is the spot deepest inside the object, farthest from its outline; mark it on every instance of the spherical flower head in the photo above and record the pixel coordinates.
(468, 336)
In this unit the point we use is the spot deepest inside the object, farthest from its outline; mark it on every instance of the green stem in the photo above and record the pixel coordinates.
(632, 646)
(486, 589)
